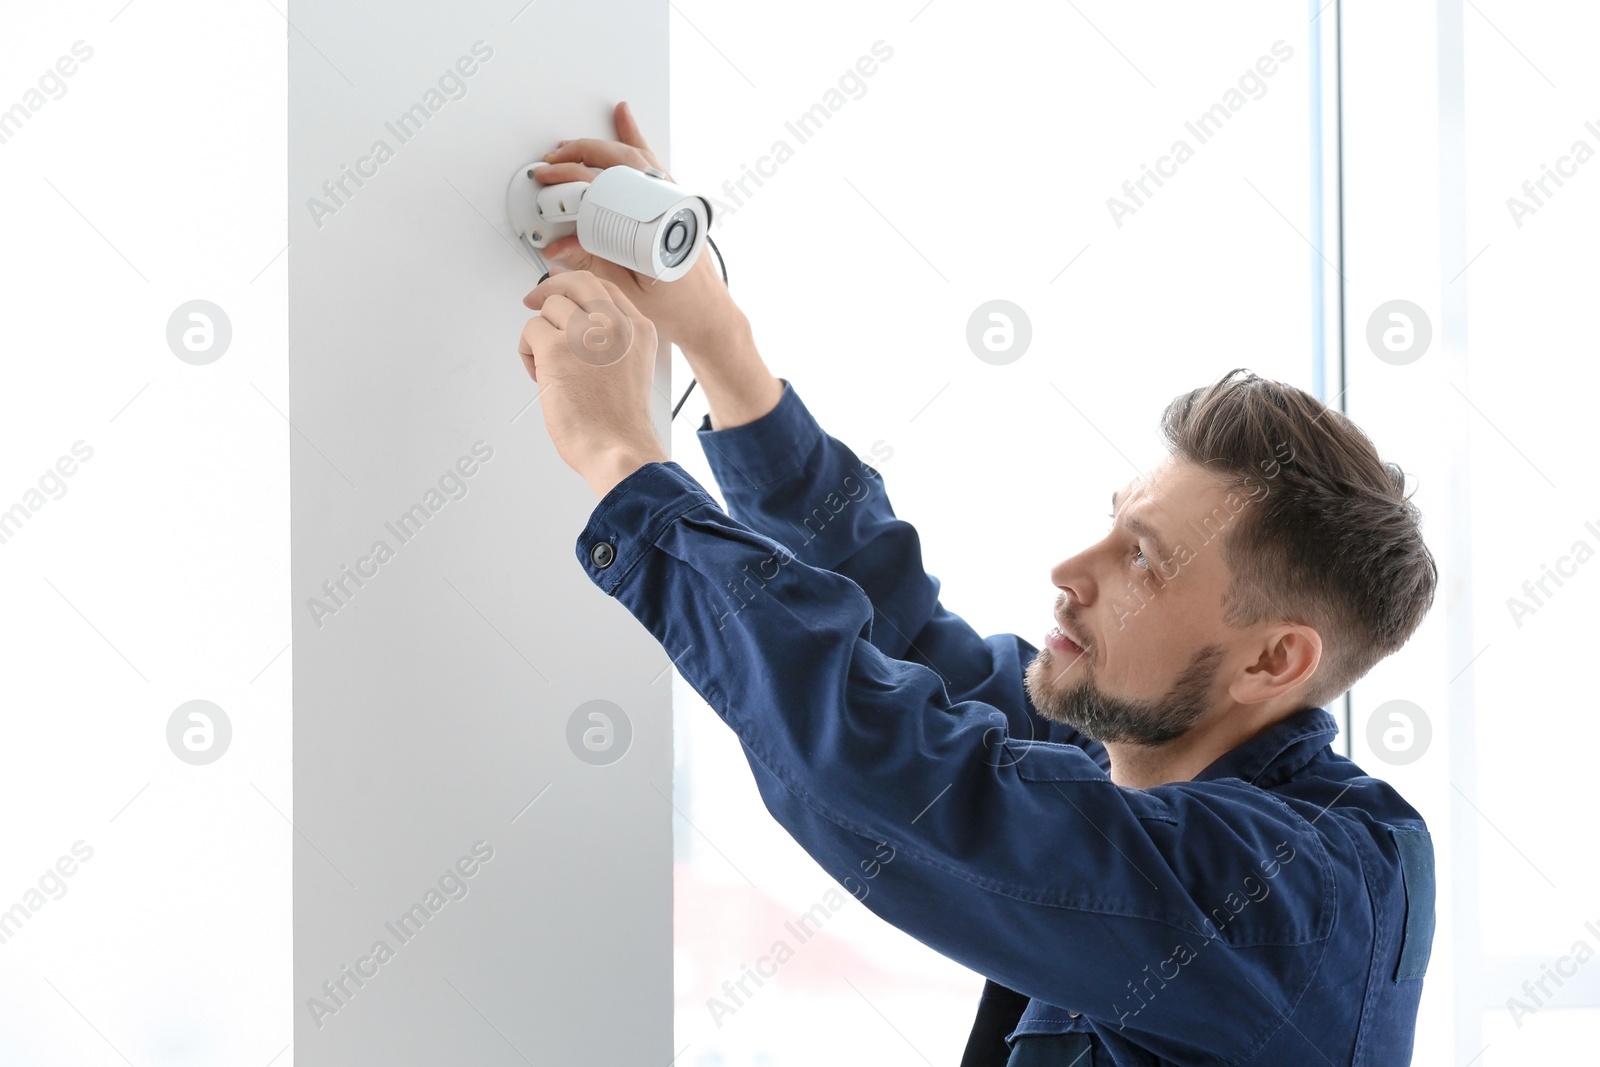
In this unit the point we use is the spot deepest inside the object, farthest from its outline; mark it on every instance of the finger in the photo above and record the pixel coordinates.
(530, 301)
(578, 286)
(581, 262)
(556, 173)
(537, 331)
(568, 254)
(598, 153)
(558, 311)
(628, 131)
(619, 298)
(633, 314)
(563, 246)
(536, 334)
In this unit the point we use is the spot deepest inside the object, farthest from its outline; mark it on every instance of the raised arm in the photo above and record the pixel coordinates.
(1018, 859)
(784, 476)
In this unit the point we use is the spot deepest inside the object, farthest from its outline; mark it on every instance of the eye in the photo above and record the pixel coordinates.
(1138, 554)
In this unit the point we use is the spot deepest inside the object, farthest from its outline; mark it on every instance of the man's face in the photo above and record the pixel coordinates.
(1146, 600)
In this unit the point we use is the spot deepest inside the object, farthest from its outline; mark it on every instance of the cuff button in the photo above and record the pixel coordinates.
(602, 554)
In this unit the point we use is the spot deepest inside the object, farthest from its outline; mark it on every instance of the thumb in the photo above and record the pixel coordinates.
(628, 130)
(569, 254)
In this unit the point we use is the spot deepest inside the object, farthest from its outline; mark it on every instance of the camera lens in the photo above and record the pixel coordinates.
(677, 237)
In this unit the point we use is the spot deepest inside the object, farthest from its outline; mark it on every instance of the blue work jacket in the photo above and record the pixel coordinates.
(1277, 909)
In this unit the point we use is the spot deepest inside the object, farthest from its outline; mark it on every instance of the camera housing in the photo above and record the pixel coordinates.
(642, 221)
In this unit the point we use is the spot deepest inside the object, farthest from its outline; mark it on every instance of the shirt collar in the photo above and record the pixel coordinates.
(1277, 752)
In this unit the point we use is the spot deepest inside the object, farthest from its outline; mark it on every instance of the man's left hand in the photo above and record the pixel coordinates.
(593, 355)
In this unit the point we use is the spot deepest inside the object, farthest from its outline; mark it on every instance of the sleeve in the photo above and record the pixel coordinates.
(1020, 860)
(782, 476)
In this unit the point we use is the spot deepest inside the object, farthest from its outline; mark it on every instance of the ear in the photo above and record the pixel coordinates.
(1289, 655)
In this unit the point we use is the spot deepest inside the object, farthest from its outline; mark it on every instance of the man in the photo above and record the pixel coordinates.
(1139, 833)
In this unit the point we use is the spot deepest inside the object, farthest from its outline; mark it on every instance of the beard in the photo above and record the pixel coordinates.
(1102, 717)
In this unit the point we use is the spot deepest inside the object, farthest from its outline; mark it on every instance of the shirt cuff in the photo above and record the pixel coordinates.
(764, 451)
(629, 518)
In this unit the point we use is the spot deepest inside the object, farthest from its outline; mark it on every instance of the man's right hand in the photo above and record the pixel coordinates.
(696, 311)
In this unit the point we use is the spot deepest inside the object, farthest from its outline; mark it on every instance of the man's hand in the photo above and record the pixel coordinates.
(593, 354)
(695, 311)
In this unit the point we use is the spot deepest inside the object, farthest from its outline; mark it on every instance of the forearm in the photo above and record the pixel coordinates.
(739, 388)
(605, 470)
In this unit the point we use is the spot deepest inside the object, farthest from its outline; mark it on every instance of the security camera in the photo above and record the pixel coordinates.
(636, 218)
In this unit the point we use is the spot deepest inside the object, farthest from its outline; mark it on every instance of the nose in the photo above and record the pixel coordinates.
(1074, 576)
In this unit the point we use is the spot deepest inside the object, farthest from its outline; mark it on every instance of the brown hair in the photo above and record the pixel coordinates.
(1334, 543)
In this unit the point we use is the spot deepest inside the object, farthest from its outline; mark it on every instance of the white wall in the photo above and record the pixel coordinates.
(432, 707)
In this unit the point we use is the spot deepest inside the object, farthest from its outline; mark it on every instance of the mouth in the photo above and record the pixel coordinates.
(1061, 640)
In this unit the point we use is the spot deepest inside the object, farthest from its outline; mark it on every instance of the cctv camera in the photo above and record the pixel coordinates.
(640, 220)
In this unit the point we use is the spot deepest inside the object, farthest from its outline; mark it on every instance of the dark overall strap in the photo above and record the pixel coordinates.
(999, 1010)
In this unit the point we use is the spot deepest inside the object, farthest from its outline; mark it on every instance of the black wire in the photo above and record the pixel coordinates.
(723, 266)
(682, 398)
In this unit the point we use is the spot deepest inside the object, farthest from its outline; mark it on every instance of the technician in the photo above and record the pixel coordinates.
(1139, 833)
